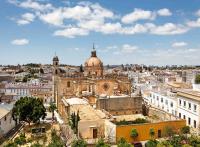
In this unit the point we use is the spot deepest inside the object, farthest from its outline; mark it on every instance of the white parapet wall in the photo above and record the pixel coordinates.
(196, 87)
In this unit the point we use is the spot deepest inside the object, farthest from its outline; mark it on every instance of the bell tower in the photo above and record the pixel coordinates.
(55, 65)
(55, 78)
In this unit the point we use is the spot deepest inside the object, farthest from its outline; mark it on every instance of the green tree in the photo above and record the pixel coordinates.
(152, 133)
(28, 109)
(134, 133)
(74, 119)
(21, 140)
(101, 143)
(151, 143)
(123, 143)
(194, 141)
(79, 143)
(81, 68)
(55, 140)
(52, 108)
(197, 79)
(164, 143)
(185, 130)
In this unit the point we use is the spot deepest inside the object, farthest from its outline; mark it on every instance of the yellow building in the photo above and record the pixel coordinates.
(143, 129)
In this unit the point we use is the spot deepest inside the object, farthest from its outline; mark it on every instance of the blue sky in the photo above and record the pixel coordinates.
(152, 32)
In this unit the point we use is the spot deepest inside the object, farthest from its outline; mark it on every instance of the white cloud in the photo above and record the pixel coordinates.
(198, 13)
(109, 28)
(138, 14)
(30, 4)
(179, 44)
(22, 41)
(53, 18)
(71, 32)
(194, 23)
(137, 28)
(126, 48)
(168, 29)
(164, 12)
(26, 19)
(89, 17)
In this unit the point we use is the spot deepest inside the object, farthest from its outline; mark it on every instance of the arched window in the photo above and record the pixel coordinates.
(68, 84)
(56, 71)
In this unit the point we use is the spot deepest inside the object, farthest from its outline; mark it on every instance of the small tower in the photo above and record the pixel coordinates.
(55, 78)
(55, 65)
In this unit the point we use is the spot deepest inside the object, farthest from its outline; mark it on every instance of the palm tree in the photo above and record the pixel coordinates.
(52, 108)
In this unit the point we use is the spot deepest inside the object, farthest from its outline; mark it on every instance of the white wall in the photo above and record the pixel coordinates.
(7, 124)
(189, 112)
(165, 103)
(110, 131)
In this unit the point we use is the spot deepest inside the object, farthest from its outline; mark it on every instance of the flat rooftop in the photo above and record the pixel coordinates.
(189, 93)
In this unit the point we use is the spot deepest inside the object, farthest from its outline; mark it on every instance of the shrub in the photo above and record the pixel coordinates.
(36, 145)
(197, 79)
(101, 143)
(11, 144)
(134, 133)
(137, 121)
(79, 143)
(123, 143)
(55, 140)
(185, 130)
(21, 139)
(151, 132)
(151, 143)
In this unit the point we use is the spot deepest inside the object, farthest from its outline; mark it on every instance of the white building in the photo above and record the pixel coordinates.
(162, 100)
(6, 121)
(189, 107)
(185, 104)
(25, 89)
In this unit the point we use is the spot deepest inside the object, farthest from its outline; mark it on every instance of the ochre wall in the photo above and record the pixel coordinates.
(143, 129)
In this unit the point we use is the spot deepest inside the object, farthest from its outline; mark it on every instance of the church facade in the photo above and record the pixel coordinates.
(90, 82)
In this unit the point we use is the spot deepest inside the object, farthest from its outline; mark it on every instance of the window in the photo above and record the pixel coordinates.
(5, 118)
(179, 102)
(95, 133)
(195, 124)
(195, 108)
(68, 84)
(159, 133)
(189, 120)
(183, 116)
(171, 104)
(184, 103)
(179, 115)
(157, 98)
(189, 106)
(150, 95)
(162, 100)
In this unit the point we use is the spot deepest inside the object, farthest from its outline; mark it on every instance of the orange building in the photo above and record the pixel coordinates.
(143, 129)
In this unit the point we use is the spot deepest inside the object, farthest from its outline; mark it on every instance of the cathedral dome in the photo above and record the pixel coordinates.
(93, 61)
